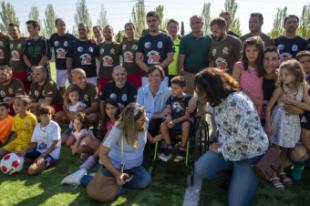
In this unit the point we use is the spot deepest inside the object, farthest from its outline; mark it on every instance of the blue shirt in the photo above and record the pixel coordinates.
(288, 48)
(153, 104)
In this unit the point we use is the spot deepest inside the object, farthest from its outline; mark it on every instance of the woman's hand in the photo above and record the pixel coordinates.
(214, 147)
(122, 178)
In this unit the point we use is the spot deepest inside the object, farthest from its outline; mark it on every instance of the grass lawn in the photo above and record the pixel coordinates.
(167, 188)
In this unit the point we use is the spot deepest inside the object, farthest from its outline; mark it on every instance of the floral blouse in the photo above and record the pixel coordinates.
(240, 132)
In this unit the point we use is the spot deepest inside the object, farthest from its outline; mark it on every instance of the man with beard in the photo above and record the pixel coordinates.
(290, 44)
(110, 53)
(17, 45)
(255, 25)
(60, 42)
(225, 48)
(129, 48)
(82, 54)
(154, 48)
(226, 15)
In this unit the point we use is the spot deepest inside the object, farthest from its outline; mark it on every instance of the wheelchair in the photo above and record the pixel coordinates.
(197, 144)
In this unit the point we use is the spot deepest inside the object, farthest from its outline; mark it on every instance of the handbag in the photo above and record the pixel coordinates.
(268, 165)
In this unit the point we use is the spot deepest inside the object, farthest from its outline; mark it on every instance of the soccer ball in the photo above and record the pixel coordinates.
(11, 163)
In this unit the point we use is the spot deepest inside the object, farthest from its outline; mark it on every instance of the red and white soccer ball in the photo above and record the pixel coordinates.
(11, 163)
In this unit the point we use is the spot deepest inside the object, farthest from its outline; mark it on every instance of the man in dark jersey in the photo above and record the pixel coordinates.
(154, 48)
(17, 45)
(226, 15)
(255, 25)
(60, 42)
(82, 54)
(4, 49)
(129, 48)
(44, 91)
(109, 56)
(290, 44)
(119, 90)
(36, 52)
(225, 48)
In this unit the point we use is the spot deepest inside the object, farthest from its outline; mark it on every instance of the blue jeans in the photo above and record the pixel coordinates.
(243, 182)
(141, 178)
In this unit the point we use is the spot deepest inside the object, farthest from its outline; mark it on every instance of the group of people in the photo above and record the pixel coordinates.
(110, 98)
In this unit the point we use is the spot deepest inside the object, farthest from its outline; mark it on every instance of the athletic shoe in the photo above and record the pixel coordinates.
(296, 173)
(164, 157)
(74, 178)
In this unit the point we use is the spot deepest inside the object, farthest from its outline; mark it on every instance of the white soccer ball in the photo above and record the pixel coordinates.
(11, 163)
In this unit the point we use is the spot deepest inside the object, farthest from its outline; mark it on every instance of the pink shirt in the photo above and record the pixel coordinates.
(251, 84)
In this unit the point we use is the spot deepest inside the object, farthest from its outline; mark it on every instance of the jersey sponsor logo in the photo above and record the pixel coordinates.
(153, 57)
(225, 50)
(27, 124)
(15, 55)
(80, 49)
(147, 45)
(36, 93)
(1, 54)
(294, 47)
(86, 98)
(214, 52)
(112, 51)
(281, 47)
(285, 56)
(85, 59)
(1, 43)
(134, 47)
(128, 57)
(19, 46)
(60, 53)
(107, 61)
(124, 46)
(91, 49)
(113, 96)
(160, 44)
(102, 51)
(221, 63)
(66, 44)
(56, 43)
(10, 90)
(124, 97)
(11, 46)
(2, 93)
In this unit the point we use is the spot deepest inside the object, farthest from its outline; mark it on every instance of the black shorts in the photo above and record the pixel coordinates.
(34, 154)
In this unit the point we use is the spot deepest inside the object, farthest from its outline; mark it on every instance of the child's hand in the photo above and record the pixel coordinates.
(81, 109)
(287, 100)
(171, 124)
(40, 159)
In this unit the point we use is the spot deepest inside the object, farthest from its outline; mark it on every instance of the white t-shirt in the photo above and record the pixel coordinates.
(74, 108)
(44, 137)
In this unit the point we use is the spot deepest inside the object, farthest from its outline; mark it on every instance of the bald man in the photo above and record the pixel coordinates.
(119, 89)
(88, 94)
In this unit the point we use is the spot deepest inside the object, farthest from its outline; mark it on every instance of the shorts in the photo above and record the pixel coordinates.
(145, 81)
(62, 78)
(22, 76)
(135, 79)
(16, 146)
(102, 81)
(34, 154)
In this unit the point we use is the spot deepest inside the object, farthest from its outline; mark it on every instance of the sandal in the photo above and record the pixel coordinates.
(285, 179)
(181, 155)
(276, 183)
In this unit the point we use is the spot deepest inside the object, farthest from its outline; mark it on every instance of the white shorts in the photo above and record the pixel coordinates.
(145, 81)
(62, 78)
(92, 80)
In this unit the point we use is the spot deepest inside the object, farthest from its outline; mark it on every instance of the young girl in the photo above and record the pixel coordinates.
(250, 70)
(282, 129)
(111, 115)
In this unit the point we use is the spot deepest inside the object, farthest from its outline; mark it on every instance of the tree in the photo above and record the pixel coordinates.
(8, 16)
(277, 29)
(138, 16)
(102, 20)
(49, 21)
(304, 27)
(34, 14)
(160, 11)
(231, 6)
(82, 15)
(206, 17)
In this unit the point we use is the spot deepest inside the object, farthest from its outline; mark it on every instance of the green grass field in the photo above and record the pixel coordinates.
(167, 188)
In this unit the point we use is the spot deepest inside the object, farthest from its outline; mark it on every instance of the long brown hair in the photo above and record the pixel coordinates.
(295, 68)
(127, 122)
(215, 84)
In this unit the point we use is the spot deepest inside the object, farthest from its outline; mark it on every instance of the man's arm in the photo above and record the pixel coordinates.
(167, 60)
(140, 62)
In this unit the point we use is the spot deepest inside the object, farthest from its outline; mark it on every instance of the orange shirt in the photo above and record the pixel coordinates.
(5, 128)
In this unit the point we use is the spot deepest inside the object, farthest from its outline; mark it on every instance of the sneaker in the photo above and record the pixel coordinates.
(296, 173)
(164, 157)
(181, 155)
(89, 162)
(74, 178)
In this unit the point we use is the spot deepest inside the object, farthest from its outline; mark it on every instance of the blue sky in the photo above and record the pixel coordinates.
(119, 11)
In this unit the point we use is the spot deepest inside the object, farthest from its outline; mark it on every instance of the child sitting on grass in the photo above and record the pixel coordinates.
(6, 122)
(179, 108)
(22, 128)
(45, 145)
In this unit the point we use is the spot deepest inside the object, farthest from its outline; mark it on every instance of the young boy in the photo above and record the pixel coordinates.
(45, 145)
(22, 128)
(6, 122)
(179, 108)
(304, 58)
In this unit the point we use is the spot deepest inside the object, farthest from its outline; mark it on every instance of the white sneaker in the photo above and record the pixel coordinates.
(164, 157)
(74, 178)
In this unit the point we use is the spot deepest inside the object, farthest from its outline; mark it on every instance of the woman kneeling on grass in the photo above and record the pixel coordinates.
(121, 155)
(241, 140)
